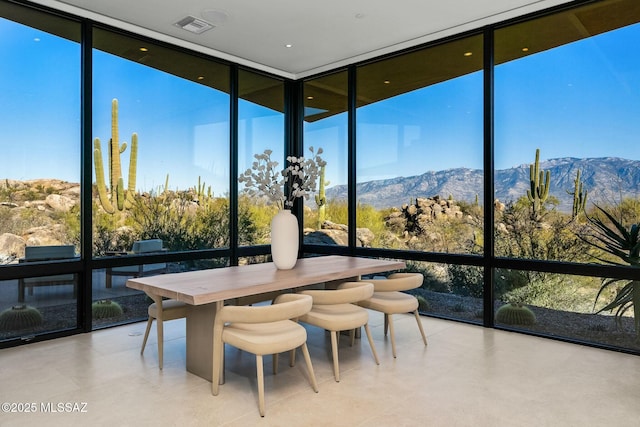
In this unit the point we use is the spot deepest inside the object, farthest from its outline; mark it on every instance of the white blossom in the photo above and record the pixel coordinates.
(298, 179)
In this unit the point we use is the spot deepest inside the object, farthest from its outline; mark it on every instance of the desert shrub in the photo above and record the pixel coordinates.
(257, 221)
(337, 211)
(432, 280)
(466, 280)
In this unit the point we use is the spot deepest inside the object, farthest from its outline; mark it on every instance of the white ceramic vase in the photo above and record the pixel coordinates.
(284, 240)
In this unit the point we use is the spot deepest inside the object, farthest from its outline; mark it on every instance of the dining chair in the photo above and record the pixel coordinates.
(170, 309)
(336, 311)
(389, 298)
(261, 330)
(140, 247)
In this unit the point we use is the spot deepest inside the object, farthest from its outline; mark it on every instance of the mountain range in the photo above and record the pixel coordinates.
(607, 180)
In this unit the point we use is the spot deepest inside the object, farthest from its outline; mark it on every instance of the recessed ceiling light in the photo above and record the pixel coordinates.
(144, 49)
(309, 97)
(200, 77)
(194, 25)
(288, 46)
(387, 82)
(468, 53)
(525, 49)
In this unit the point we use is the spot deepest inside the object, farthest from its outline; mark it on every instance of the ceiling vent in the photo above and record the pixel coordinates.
(194, 25)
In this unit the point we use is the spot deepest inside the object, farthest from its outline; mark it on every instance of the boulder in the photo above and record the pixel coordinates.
(60, 203)
(11, 247)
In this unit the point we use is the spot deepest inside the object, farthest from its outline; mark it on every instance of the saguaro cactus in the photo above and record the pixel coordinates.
(120, 198)
(540, 182)
(579, 196)
(321, 198)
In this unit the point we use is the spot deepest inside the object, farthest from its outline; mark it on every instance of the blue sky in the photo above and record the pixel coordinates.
(580, 100)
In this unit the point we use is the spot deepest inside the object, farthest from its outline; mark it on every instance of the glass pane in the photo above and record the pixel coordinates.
(114, 303)
(449, 290)
(420, 149)
(161, 147)
(39, 168)
(40, 122)
(325, 127)
(564, 306)
(35, 305)
(260, 127)
(566, 109)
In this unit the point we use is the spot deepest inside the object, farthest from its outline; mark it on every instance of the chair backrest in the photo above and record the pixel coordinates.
(151, 245)
(398, 282)
(286, 306)
(346, 293)
(43, 253)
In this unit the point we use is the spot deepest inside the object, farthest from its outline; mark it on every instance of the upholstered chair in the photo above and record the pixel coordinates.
(336, 311)
(389, 299)
(261, 330)
(169, 310)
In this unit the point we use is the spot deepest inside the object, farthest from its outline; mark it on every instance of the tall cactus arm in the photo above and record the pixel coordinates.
(133, 162)
(545, 183)
(115, 151)
(102, 188)
(540, 182)
(579, 196)
(120, 194)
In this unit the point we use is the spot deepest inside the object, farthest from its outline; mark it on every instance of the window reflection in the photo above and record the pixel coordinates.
(419, 149)
(325, 126)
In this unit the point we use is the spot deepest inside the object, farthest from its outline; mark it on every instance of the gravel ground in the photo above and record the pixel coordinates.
(592, 328)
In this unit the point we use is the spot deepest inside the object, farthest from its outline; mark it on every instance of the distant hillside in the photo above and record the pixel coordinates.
(607, 179)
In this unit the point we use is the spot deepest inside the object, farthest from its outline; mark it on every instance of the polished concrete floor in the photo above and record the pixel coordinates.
(466, 376)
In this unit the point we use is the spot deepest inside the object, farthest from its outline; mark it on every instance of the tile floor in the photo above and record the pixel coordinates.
(467, 376)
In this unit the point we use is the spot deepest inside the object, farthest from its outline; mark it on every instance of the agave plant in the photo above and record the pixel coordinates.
(623, 243)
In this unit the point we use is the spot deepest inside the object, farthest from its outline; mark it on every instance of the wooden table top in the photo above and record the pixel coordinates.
(219, 284)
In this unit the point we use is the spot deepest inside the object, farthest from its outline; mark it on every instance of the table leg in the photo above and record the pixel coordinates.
(200, 320)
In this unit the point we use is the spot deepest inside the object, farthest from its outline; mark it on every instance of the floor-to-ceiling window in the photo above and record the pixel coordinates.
(325, 127)
(419, 146)
(408, 138)
(419, 166)
(566, 149)
(39, 171)
(261, 132)
(160, 160)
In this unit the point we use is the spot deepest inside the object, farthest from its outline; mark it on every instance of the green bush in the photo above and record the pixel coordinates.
(466, 280)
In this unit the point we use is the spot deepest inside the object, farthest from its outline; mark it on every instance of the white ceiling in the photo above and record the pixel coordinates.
(324, 34)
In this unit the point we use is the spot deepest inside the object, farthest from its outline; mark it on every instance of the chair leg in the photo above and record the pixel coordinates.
(292, 358)
(146, 334)
(160, 330)
(275, 363)
(260, 377)
(217, 367)
(386, 324)
(20, 291)
(334, 355)
(307, 359)
(373, 347)
(392, 333)
(424, 337)
(352, 337)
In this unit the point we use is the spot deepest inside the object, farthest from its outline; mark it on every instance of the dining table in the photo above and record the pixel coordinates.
(206, 291)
